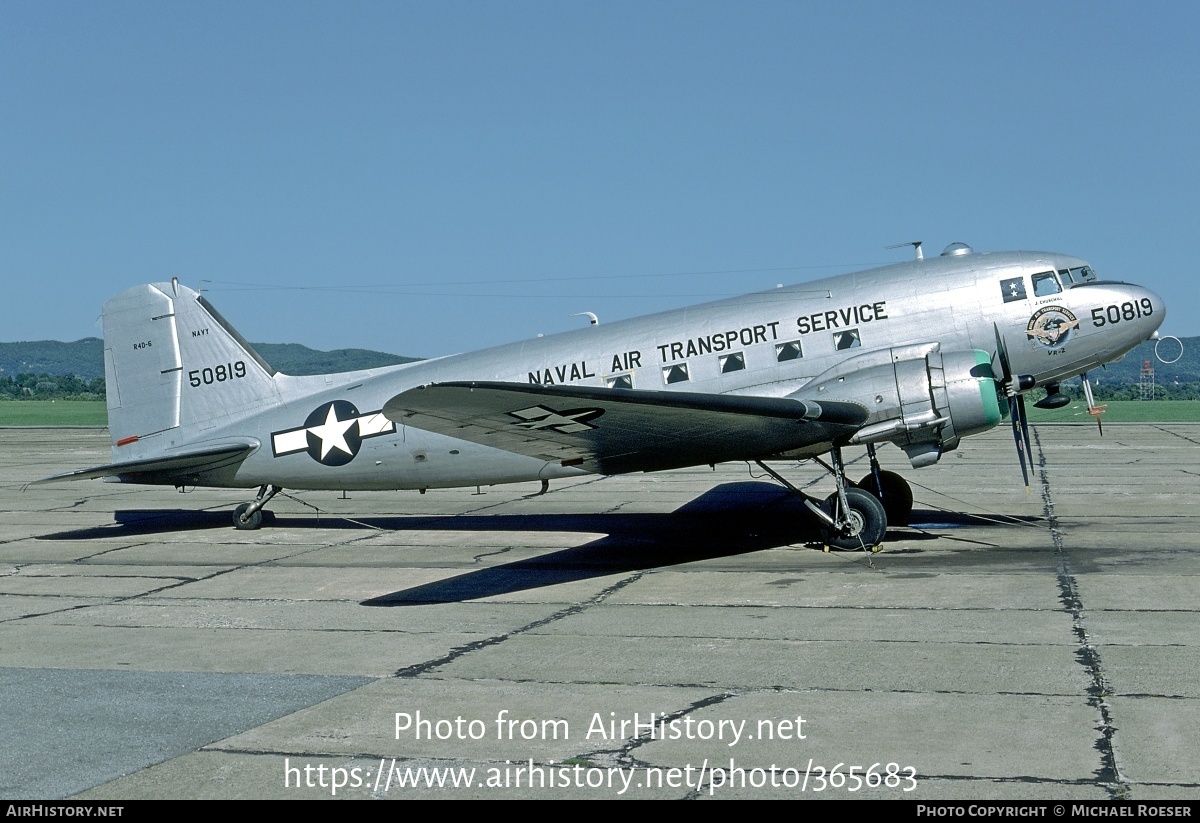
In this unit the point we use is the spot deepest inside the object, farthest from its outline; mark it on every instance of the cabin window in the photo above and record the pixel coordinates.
(675, 374)
(620, 381)
(1045, 284)
(732, 362)
(788, 351)
(847, 339)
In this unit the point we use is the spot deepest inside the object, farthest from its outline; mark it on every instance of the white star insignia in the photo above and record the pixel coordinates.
(332, 433)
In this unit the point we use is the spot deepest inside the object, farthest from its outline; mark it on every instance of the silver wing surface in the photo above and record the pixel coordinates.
(612, 431)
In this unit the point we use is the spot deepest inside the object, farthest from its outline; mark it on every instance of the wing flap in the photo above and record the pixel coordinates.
(183, 466)
(612, 431)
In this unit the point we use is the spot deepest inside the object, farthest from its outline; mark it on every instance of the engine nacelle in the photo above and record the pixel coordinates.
(917, 397)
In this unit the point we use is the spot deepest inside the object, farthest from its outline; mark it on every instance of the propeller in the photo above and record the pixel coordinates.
(1013, 387)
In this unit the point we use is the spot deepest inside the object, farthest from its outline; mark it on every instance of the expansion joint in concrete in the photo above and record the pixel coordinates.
(458, 651)
(1088, 656)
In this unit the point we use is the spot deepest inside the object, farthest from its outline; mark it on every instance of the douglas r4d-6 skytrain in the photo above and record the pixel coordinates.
(919, 354)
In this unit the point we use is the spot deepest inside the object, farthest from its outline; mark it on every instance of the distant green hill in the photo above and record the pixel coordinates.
(293, 358)
(1186, 370)
(85, 358)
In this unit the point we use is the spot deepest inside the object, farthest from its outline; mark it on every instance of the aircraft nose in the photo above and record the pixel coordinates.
(1136, 309)
(1156, 310)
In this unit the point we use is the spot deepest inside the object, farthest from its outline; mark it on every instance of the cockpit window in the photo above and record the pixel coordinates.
(1045, 284)
(1079, 274)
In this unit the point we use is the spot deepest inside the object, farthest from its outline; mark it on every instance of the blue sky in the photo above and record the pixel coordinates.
(425, 178)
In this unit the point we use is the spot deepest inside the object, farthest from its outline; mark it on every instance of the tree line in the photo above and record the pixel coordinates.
(27, 386)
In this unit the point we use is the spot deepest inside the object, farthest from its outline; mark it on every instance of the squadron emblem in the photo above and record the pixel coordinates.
(332, 434)
(1051, 326)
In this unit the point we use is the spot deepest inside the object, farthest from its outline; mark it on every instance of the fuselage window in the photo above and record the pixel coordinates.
(675, 374)
(847, 339)
(788, 351)
(620, 381)
(1045, 284)
(732, 362)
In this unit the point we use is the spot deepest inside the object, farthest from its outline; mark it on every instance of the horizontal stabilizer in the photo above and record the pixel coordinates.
(612, 431)
(182, 467)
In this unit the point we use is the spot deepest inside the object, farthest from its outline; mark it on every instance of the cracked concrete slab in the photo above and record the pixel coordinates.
(1004, 646)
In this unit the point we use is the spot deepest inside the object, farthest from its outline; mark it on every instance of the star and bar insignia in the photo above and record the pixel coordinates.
(332, 434)
(571, 421)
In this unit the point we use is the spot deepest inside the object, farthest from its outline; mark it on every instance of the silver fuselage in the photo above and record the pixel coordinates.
(769, 344)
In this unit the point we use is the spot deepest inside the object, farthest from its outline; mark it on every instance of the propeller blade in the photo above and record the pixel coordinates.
(1002, 356)
(1014, 412)
(1025, 427)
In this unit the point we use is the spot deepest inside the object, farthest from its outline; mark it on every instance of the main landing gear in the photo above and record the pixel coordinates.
(890, 489)
(249, 516)
(856, 517)
(856, 522)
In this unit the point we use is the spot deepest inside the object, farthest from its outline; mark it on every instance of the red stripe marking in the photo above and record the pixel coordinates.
(125, 441)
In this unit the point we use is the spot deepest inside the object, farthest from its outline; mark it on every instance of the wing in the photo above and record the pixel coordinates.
(182, 467)
(612, 431)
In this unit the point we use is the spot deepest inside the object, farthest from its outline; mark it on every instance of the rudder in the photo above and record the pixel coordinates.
(174, 369)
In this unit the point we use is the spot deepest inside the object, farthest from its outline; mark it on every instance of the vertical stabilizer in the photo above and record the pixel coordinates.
(174, 370)
(142, 368)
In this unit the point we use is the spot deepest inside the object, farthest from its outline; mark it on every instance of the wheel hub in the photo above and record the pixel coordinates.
(854, 524)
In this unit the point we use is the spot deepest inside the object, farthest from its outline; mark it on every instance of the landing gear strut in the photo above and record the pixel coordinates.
(890, 489)
(249, 516)
(852, 518)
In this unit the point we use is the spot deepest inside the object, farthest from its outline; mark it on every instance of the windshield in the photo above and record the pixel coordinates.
(1079, 274)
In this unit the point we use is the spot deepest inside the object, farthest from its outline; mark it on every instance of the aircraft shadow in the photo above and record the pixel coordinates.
(729, 504)
(729, 520)
(733, 519)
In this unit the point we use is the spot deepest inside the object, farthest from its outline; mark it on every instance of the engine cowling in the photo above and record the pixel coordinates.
(918, 397)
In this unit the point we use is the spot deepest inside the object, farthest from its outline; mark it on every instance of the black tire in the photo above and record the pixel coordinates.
(867, 518)
(897, 496)
(241, 521)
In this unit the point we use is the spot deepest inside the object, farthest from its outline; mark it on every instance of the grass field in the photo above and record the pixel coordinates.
(95, 413)
(53, 413)
(1123, 411)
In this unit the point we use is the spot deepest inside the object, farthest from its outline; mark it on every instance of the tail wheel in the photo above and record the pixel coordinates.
(866, 521)
(242, 521)
(897, 496)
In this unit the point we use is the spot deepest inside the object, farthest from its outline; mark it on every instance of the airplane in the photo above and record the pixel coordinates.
(919, 354)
